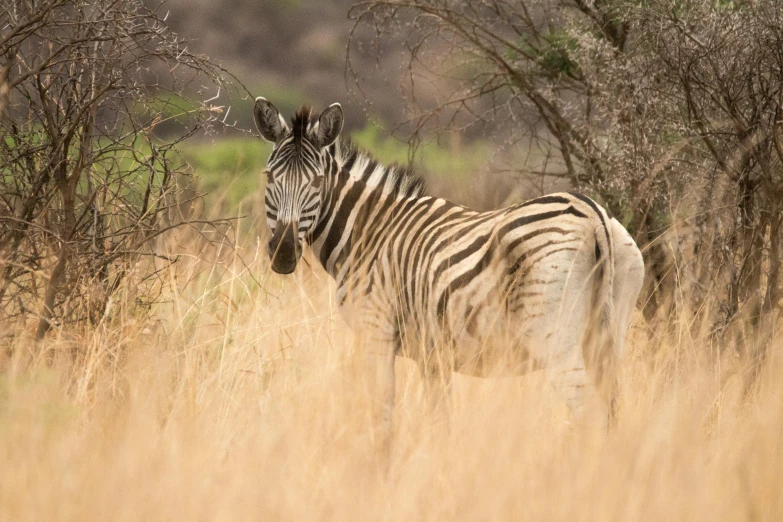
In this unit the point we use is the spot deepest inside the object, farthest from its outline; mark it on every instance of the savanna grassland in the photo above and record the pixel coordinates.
(236, 398)
(152, 367)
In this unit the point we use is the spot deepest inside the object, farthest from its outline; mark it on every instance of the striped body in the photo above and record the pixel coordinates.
(549, 283)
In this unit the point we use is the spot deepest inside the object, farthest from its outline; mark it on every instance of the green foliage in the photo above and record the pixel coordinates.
(386, 149)
(555, 57)
(122, 167)
(552, 53)
(170, 106)
(168, 112)
(671, 136)
(430, 155)
(727, 5)
(229, 170)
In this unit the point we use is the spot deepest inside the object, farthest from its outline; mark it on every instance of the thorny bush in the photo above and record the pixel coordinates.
(85, 185)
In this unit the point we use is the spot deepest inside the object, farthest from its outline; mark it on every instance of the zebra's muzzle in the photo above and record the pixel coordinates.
(284, 248)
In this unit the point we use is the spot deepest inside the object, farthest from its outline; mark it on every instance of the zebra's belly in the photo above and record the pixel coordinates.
(494, 355)
(493, 352)
(483, 341)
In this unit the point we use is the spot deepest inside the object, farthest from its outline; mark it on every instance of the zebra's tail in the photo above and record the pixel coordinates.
(599, 349)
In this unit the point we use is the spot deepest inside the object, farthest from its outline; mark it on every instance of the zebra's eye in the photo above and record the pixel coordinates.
(316, 183)
(269, 177)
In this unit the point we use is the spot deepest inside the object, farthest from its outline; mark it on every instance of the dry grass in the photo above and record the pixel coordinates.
(237, 403)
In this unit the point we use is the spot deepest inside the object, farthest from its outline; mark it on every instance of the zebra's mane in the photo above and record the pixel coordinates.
(302, 122)
(395, 179)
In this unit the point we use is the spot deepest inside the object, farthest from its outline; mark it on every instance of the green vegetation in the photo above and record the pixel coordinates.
(123, 167)
(430, 157)
(229, 170)
(552, 53)
(556, 57)
(167, 106)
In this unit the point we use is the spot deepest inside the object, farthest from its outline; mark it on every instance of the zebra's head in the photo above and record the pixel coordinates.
(295, 175)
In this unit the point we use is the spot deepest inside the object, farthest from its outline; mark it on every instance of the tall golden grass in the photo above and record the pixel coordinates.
(238, 400)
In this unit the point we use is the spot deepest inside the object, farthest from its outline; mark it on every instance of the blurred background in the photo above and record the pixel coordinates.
(293, 53)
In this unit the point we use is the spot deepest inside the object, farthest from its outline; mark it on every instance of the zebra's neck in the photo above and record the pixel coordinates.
(358, 190)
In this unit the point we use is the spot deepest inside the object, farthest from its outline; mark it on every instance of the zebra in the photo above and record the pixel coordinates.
(546, 284)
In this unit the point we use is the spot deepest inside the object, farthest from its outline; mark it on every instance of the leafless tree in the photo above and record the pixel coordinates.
(86, 186)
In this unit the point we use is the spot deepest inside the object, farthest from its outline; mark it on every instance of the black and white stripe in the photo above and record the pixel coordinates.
(529, 285)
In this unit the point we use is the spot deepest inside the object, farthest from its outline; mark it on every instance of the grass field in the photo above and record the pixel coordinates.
(238, 400)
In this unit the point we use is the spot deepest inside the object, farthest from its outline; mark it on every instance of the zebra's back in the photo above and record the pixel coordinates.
(445, 274)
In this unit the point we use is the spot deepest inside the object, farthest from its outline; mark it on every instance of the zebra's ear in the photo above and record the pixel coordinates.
(330, 123)
(268, 120)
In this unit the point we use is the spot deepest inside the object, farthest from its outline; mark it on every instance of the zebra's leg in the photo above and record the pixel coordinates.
(437, 379)
(372, 318)
(569, 378)
(378, 373)
(555, 333)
